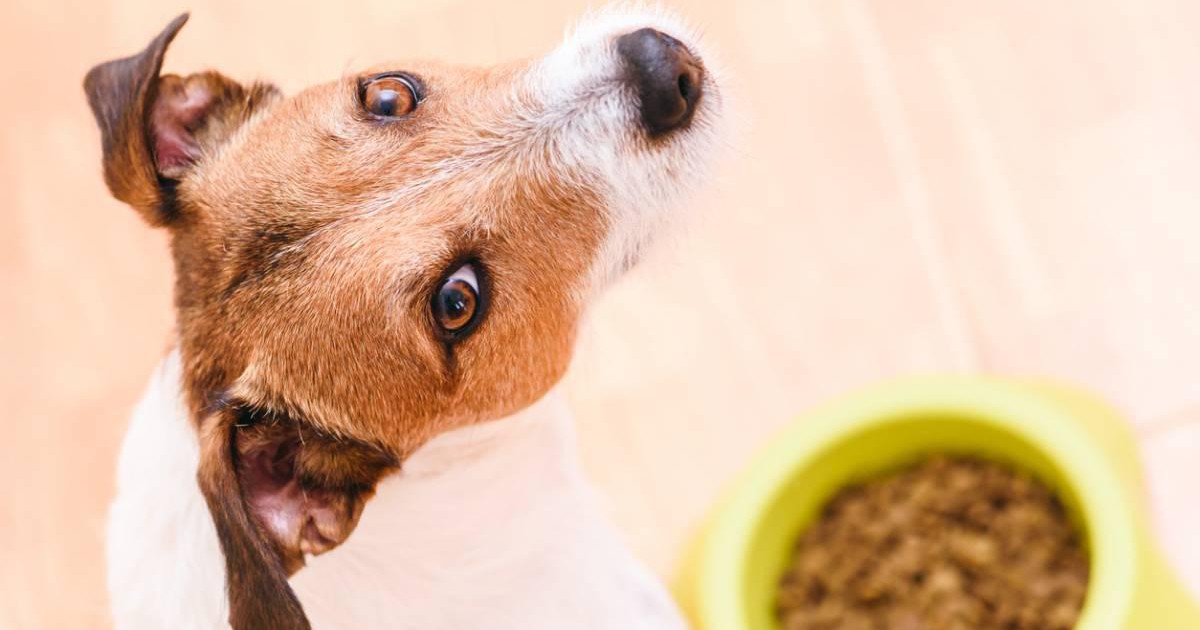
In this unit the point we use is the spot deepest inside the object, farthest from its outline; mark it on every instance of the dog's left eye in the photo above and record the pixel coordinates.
(390, 96)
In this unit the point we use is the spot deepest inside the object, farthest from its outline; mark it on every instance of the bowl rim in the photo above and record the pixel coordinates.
(720, 569)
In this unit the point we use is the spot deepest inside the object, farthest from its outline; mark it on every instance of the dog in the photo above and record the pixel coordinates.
(379, 284)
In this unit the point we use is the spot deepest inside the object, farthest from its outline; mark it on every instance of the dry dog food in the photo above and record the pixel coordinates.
(948, 544)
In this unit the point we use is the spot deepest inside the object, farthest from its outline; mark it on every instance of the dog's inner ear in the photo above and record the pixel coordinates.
(278, 489)
(306, 489)
(180, 115)
(153, 128)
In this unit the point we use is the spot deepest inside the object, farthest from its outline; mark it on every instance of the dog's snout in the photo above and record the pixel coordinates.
(667, 77)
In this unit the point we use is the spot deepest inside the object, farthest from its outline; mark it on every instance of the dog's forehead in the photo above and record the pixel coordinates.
(314, 178)
(318, 151)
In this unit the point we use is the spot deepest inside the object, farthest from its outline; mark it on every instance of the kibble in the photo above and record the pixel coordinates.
(951, 543)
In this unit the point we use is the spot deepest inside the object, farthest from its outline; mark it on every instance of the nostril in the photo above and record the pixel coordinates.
(685, 86)
(666, 76)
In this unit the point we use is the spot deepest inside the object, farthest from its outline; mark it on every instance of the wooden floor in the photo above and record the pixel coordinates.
(917, 186)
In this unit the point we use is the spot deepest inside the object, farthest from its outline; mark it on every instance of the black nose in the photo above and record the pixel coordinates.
(668, 78)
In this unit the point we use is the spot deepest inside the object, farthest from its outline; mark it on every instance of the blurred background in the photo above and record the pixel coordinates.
(915, 186)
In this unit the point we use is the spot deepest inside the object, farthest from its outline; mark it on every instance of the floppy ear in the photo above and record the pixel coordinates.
(153, 128)
(277, 491)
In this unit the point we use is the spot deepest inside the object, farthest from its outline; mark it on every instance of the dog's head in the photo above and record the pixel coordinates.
(390, 255)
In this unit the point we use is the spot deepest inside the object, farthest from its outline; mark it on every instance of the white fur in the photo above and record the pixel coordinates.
(596, 114)
(165, 568)
(492, 526)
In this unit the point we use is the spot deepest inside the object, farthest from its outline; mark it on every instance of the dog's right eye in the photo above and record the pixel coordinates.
(389, 96)
(458, 302)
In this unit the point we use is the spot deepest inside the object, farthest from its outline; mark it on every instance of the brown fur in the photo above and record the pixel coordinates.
(119, 93)
(308, 240)
(335, 477)
(255, 576)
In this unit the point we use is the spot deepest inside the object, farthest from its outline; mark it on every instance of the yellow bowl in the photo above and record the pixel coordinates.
(1074, 443)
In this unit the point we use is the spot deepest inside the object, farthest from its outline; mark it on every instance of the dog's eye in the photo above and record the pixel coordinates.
(389, 96)
(457, 301)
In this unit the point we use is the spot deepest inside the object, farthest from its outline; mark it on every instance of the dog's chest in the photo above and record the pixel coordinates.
(519, 566)
(490, 527)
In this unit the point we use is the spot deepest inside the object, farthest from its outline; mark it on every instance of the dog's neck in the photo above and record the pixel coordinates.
(465, 510)
(493, 522)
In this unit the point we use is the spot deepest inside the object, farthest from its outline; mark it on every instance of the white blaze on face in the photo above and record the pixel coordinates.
(590, 116)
